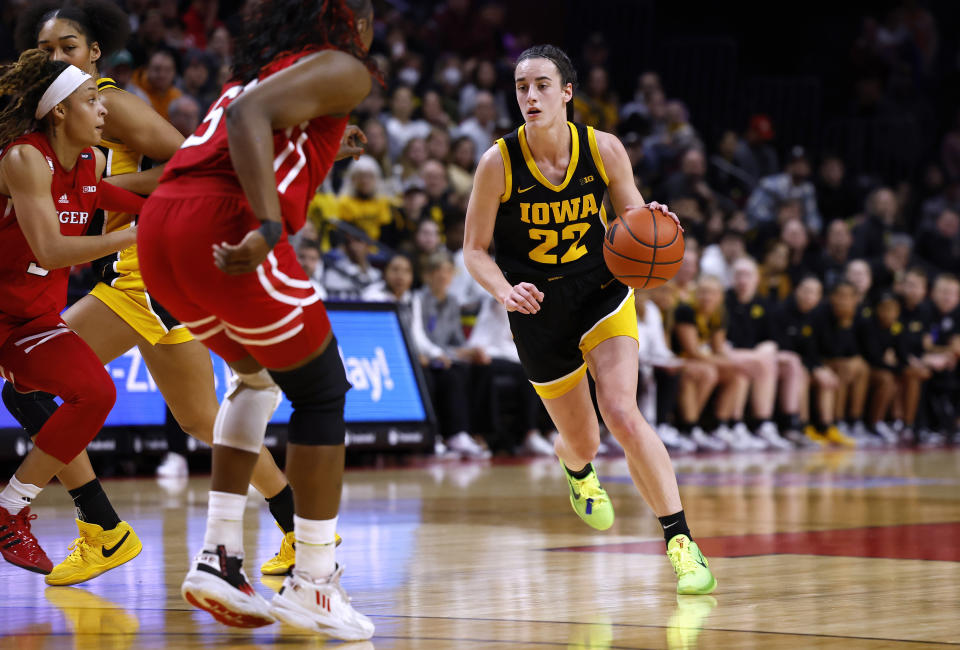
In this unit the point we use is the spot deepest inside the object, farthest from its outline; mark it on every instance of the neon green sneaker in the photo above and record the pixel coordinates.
(691, 567)
(589, 500)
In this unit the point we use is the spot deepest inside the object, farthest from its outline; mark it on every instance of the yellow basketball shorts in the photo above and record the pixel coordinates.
(139, 311)
(576, 315)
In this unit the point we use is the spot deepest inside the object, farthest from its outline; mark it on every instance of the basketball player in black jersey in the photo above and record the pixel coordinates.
(538, 195)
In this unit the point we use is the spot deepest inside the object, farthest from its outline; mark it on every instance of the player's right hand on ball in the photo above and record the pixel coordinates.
(524, 298)
(234, 259)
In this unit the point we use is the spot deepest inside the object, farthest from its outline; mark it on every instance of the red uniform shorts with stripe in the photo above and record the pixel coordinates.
(273, 314)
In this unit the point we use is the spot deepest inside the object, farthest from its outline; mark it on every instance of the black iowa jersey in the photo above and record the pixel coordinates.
(547, 230)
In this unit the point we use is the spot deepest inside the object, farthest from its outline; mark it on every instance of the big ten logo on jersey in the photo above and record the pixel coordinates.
(572, 214)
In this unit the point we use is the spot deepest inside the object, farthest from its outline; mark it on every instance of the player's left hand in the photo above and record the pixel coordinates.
(353, 143)
(662, 207)
(234, 259)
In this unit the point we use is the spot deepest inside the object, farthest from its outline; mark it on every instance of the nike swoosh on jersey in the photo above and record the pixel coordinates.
(525, 189)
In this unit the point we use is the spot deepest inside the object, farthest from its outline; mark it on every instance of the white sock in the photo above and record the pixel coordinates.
(17, 496)
(316, 541)
(225, 522)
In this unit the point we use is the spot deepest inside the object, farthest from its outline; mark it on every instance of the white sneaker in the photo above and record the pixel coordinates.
(464, 444)
(217, 584)
(440, 450)
(673, 440)
(706, 441)
(863, 436)
(173, 466)
(320, 606)
(748, 439)
(769, 434)
(889, 433)
(537, 445)
(731, 438)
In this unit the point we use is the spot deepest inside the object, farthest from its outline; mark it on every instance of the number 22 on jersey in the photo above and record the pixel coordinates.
(576, 211)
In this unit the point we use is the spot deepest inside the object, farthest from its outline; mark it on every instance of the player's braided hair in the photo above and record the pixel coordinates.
(285, 26)
(21, 86)
(100, 21)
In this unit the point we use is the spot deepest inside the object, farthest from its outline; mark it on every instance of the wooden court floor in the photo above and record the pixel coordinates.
(812, 550)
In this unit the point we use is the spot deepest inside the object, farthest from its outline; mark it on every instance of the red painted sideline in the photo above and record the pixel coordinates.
(903, 542)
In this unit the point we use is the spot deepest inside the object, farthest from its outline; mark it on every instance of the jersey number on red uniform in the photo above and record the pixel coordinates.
(285, 167)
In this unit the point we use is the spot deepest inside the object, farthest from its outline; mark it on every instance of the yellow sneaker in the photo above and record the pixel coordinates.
(813, 434)
(95, 551)
(281, 563)
(837, 437)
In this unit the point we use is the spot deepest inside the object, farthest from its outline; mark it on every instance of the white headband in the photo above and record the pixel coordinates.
(61, 88)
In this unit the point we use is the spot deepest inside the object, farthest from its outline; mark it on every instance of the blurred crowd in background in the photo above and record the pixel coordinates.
(818, 302)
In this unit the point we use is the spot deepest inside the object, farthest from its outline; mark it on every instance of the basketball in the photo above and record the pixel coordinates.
(643, 248)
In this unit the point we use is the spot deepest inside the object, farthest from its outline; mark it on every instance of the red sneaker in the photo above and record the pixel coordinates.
(18, 545)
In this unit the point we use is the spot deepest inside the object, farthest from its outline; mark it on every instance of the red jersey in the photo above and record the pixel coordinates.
(304, 154)
(28, 291)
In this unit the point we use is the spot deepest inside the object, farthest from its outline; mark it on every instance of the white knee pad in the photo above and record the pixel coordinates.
(245, 411)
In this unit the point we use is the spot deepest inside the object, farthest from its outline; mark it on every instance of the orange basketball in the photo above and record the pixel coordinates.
(643, 248)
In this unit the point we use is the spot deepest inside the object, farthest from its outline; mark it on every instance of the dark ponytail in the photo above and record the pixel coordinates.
(100, 21)
(22, 84)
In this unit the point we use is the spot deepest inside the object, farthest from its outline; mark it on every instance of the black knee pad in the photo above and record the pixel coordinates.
(31, 410)
(316, 391)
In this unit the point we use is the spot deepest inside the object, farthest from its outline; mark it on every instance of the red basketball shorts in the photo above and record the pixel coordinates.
(273, 314)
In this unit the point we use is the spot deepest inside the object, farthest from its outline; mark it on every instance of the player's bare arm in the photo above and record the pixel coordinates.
(140, 182)
(277, 103)
(488, 187)
(133, 122)
(25, 176)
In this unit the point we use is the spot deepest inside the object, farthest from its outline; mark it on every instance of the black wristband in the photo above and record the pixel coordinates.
(271, 231)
